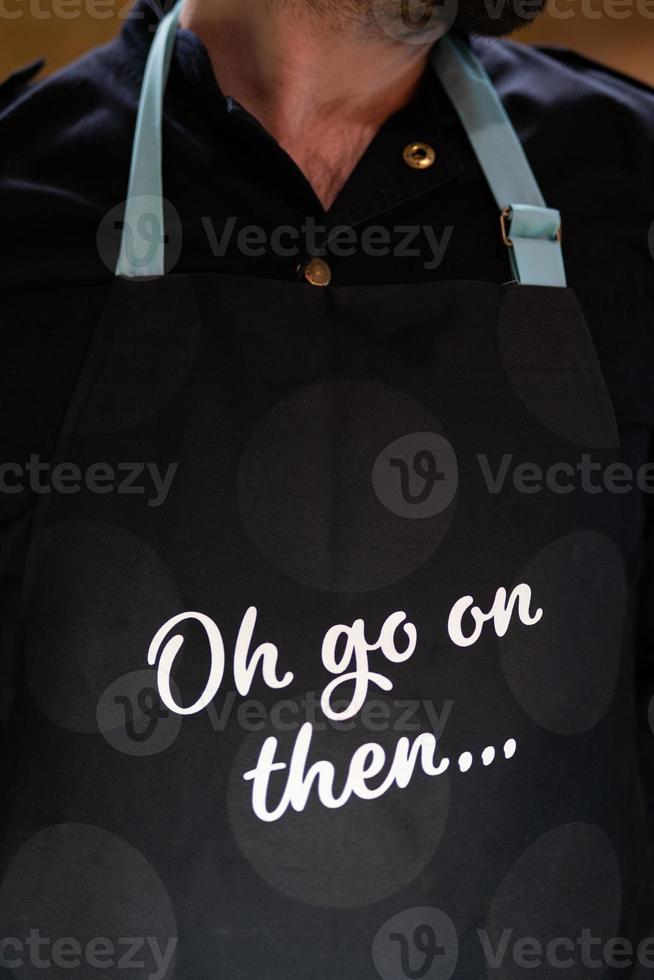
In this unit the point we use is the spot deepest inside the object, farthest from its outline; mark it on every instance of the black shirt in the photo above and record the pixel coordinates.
(245, 208)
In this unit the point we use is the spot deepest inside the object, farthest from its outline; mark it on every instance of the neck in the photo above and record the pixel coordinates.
(320, 75)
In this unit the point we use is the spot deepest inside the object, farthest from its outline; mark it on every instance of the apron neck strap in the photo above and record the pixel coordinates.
(530, 230)
(143, 223)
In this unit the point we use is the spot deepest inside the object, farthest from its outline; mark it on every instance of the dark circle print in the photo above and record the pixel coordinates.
(99, 595)
(343, 857)
(84, 897)
(318, 501)
(416, 943)
(551, 364)
(565, 885)
(148, 338)
(563, 671)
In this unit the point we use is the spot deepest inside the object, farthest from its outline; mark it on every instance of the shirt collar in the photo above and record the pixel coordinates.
(381, 181)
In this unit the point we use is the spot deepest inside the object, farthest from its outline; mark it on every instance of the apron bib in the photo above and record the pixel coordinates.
(328, 687)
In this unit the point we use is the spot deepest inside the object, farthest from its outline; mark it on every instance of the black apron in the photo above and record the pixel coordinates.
(327, 689)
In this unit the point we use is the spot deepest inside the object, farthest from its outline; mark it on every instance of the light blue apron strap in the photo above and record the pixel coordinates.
(531, 231)
(142, 245)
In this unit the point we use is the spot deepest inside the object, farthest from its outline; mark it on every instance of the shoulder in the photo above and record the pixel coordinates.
(589, 134)
(64, 154)
(40, 117)
(560, 83)
(555, 95)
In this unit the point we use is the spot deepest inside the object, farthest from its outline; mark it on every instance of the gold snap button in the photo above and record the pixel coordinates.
(419, 156)
(317, 272)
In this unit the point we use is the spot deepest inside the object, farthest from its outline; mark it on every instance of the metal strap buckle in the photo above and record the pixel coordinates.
(505, 218)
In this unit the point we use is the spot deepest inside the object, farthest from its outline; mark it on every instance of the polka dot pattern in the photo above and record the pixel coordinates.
(350, 450)
(85, 891)
(564, 882)
(155, 353)
(563, 671)
(99, 596)
(550, 363)
(341, 486)
(307, 866)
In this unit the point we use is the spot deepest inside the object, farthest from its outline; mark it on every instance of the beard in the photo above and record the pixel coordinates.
(421, 21)
(494, 19)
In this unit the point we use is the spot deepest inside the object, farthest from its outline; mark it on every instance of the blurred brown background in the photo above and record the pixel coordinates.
(619, 33)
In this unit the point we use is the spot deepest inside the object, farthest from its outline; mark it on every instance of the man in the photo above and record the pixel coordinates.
(324, 569)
